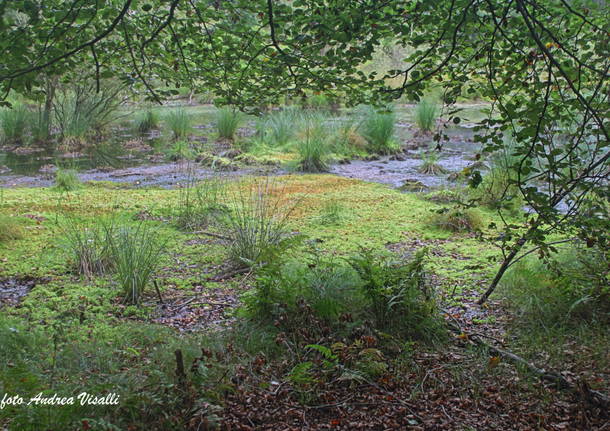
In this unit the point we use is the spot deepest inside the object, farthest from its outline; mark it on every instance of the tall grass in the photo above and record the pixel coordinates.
(14, 124)
(279, 127)
(136, 253)
(179, 123)
(66, 180)
(41, 127)
(147, 121)
(227, 122)
(130, 253)
(377, 128)
(81, 110)
(572, 289)
(257, 222)
(312, 145)
(180, 150)
(425, 114)
(201, 204)
(88, 247)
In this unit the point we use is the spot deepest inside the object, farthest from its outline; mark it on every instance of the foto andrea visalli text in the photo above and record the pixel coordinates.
(82, 399)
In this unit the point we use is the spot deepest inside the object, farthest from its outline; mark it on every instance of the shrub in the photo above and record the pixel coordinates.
(378, 130)
(571, 288)
(398, 296)
(66, 180)
(147, 121)
(10, 229)
(458, 220)
(14, 124)
(425, 115)
(430, 164)
(88, 248)
(178, 122)
(136, 253)
(227, 122)
(256, 224)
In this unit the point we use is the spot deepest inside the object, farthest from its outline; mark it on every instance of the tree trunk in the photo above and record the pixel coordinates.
(507, 262)
(51, 85)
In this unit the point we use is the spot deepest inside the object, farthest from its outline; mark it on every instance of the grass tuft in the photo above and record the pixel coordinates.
(136, 253)
(179, 123)
(377, 128)
(227, 122)
(425, 115)
(458, 220)
(256, 225)
(66, 180)
(430, 164)
(201, 204)
(14, 124)
(147, 121)
(88, 248)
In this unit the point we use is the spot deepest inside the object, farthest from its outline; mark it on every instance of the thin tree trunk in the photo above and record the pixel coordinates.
(51, 84)
(507, 262)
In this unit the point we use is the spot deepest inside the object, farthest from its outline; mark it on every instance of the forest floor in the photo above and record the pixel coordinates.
(63, 333)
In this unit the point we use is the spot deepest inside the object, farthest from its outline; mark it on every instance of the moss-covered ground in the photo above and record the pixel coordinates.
(70, 334)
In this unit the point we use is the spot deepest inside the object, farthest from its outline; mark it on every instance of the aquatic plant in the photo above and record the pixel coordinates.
(227, 122)
(425, 114)
(179, 123)
(430, 164)
(377, 128)
(147, 121)
(14, 124)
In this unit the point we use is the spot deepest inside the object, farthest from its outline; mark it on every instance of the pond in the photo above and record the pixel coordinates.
(135, 159)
